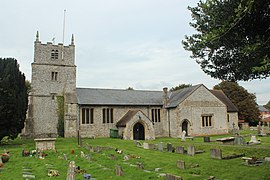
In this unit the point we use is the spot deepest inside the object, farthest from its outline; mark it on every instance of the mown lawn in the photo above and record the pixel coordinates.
(101, 166)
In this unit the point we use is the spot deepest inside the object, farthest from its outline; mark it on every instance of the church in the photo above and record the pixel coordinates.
(58, 107)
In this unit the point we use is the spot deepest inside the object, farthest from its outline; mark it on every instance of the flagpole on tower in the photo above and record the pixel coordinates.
(64, 24)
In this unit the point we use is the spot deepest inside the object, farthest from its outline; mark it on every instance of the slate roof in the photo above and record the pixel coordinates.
(176, 97)
(127, 117)
(93, 96)
(221, 96)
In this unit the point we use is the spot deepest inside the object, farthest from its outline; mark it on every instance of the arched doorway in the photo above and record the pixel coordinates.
(138, 132)
(185, 126)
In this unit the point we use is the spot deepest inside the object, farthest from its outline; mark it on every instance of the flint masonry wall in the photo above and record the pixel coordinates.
(53, 74)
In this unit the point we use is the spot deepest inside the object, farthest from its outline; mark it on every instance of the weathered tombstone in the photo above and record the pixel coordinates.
(183, 136)
(206, 139)
(169, 147)
(179, 149)
(45, 143)
(191, 150)
(151, 146)
(65, 157)
(71, 171)
(140, 165)
(145, 145)
(216, 153)
(239, 140)
(113, 157)
(118, 171)
(82, 154)
(253, 140)
(173, 177)
(160, 146)
(180, 164)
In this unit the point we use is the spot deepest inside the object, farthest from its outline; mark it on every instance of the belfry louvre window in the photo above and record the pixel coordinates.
(107, 114)
(207, 120)
(87, 116)
(54, 54)
(155, 115)
(54, 76)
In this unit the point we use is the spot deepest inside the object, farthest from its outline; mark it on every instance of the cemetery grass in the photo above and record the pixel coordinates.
(101, 166)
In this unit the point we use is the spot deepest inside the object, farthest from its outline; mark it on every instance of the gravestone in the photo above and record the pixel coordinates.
(239, 140)
(180, 164)
(113, 157)
(151, 146)
(253, 140)
(179, 149)
(169, 147)
(216, 153)
(183, 136)
(160, 146)
(45, 143)
(145, 145)
(118, 171)
(65, 157)
(191, 150)
(140, 165)
(173, 177)
(206, 139)
(71, 171)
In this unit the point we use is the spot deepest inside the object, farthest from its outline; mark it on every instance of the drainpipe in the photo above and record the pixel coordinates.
(169, 121)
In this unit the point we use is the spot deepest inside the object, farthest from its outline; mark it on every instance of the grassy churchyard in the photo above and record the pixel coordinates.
(100, 159)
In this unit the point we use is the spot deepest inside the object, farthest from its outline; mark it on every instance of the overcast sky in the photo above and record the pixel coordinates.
(119, 43)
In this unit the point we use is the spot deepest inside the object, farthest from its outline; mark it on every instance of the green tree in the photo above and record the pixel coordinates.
(130, 88)
(242, 99)
(13, 98)
(267, 105)
(232, 40)
(180, 86)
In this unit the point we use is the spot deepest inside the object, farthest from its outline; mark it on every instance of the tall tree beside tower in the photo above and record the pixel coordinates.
(13, 98)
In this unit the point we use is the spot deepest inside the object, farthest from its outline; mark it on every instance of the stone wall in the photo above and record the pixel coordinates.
(100, 129)
(201, 102)
(46, 86)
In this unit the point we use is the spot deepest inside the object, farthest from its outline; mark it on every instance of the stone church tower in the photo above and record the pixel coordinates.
(53, 101)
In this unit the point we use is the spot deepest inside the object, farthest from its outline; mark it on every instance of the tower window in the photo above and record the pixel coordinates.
(54, 76)
(54, 54)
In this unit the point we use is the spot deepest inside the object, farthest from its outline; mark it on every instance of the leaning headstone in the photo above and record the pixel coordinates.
(206, 139)
(191, 150)
(179, 149)
(160, 146)
(180, 164)
(239, 140)
(169, 147)
(71, 171)
(65, 157)
(173, 177)
(151, 146)
(145, 145)
(118, 171)
(216, 153)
